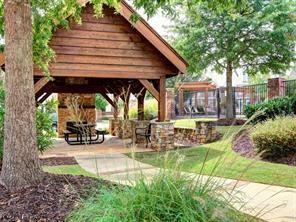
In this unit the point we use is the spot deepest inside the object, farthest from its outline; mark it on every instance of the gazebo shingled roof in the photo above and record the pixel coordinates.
(107, 55)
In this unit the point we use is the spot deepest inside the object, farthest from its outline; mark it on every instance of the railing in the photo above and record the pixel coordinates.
(213, 102)
(289, 87)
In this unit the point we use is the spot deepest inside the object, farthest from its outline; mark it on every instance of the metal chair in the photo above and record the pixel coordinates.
(144, 132)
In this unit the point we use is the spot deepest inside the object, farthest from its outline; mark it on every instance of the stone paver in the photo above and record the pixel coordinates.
(271, 203)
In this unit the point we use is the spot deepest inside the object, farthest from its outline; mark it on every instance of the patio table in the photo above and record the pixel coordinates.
(84, 133)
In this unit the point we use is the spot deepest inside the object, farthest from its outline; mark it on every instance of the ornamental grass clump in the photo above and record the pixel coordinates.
(169, 196)
(275, 138)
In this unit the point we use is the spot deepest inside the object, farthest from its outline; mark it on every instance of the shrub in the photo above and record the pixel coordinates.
(170, 196)
(44, 125)
(272, 108)
(101, 102)
(150, 110)
(275, 138)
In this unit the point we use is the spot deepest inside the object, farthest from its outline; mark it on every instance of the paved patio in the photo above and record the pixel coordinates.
(112, 145)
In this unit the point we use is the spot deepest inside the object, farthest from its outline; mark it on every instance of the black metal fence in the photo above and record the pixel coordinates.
(289, 87)
(213, 102)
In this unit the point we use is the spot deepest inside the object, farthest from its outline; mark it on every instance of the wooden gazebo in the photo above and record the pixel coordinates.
(110, 55)
(196, 86)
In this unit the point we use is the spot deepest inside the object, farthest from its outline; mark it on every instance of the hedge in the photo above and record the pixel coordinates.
(275, 138)
(271, 109)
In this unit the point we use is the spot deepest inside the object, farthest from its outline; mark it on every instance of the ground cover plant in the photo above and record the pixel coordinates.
(169, 197)
(270, 109)
(221, 160)
(276, 138)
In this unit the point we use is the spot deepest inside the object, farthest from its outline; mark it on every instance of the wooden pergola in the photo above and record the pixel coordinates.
(110, 55)
(202, 86)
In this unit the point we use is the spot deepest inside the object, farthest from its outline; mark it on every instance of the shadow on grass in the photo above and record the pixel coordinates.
(204, 154)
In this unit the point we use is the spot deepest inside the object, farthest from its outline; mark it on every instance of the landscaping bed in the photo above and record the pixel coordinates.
(51, 200)
(244, 145)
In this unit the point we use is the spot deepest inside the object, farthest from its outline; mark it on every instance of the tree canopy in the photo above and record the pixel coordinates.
(259, 38)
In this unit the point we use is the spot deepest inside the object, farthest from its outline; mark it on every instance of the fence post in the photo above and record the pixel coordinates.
(218, 103)
(233, 101)
(275, 87)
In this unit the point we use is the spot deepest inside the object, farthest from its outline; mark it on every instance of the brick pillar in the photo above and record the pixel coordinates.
(86, 112)
(170, 104)
(275, 87)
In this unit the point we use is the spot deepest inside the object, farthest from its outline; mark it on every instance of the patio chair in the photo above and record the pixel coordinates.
(144, 132)
(187, 111)
(196, 111)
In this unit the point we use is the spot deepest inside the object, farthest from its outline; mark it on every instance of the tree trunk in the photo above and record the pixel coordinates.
(21, 165)
(229, 92)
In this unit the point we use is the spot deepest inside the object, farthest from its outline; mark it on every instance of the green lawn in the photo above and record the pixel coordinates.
(219, 159)
(191, 122)
(68, 169)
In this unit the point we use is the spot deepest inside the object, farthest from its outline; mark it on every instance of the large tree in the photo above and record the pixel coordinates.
(257, 38)
(21, 166)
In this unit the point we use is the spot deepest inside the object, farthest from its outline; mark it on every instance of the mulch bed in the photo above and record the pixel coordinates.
(54, 161)
(230, 122)
(52, 200)
(244, 145)
(58, 161)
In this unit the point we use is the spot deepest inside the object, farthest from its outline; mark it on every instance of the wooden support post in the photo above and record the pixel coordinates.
(127, 96)
(162, 100)
(141, 98)
(181, 102)
(115, 102)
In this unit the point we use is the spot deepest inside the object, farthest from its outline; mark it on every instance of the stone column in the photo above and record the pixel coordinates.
(275, 87)
(162, 136)
(206, 131)
(170, 104)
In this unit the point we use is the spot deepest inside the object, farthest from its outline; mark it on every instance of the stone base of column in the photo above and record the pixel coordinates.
(114, 127)
(125, 129)
(162, 136)
(206, 132)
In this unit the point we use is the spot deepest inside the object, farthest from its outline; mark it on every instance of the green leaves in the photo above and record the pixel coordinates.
(256, 38)
(271, 109)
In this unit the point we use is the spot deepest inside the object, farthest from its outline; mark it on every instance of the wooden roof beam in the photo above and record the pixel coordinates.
(40, 84)
(109, 100)
(154, 92)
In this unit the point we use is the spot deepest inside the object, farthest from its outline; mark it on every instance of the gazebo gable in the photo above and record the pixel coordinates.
(109, 47)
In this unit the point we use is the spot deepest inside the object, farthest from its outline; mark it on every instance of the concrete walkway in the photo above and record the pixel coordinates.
(271, 203)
